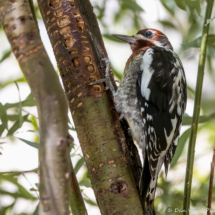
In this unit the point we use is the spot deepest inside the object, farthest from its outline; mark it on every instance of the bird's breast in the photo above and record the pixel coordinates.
(126, 102)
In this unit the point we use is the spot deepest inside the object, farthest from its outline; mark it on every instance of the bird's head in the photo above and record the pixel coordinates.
(146, 38)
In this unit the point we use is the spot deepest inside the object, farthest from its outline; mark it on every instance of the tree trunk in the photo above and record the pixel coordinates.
(112, 160)
(55, 165)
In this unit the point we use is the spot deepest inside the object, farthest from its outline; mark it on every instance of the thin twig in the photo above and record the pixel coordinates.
(196, 111)
(211, 183)
(20, 172)
(31, 185)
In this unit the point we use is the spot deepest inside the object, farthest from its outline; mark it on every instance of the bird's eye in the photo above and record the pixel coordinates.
(149, 34)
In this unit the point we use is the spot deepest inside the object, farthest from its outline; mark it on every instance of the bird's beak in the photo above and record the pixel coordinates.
(127, 39)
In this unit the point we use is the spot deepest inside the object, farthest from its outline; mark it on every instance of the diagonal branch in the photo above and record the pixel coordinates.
(112, 160)
(99, 52)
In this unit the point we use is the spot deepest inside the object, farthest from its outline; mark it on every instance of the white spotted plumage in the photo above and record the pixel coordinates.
(152, 98)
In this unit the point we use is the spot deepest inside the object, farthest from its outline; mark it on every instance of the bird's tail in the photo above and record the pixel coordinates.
(147, 189)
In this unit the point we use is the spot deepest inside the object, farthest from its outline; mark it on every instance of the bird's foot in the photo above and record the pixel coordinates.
(107, 78)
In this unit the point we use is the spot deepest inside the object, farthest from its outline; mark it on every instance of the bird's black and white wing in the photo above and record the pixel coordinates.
(161, 92)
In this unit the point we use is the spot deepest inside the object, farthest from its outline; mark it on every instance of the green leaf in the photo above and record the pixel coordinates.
(73, 155)
(69, 121)
(30, 143)
(34, 131)
(181, 4)
(33, 189)
(197, 42)
(3, 115)
(16, 125)
(5, 55)
(167, 7)
(85, 182)
(180, 147)
(90, 202)
(168, 24)
(79, 164)
(194, 5)
(4, 210)
(4, 84)
(191, 90)
(28, 102)
(198, 7)
(132, 5)
(36, 212)
(209, 20)
(17, 173)
(20, 107)
(21, 193)
(34, 122)
(13, 117)
(2, 128)
(187, 120)
(71, 128)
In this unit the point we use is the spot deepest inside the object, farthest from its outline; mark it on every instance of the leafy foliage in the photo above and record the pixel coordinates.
(5, 55)
(128, 11)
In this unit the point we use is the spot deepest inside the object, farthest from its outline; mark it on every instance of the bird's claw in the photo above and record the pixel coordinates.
(107, 78)
(97, 82)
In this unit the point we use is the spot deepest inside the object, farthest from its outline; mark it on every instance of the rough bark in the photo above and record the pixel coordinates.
(78, 49)
(55, 165)
(99, 52)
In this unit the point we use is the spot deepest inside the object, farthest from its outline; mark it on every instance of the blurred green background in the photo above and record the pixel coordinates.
(182, 22)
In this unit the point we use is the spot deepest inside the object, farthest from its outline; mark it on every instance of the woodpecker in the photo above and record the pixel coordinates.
(152, 98)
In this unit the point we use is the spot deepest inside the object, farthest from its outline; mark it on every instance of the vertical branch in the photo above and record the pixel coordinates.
(100, 133)
(55, 180)
(196, 111)
(211, 183)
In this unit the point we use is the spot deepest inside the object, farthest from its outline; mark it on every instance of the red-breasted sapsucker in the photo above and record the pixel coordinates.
(152, 98)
